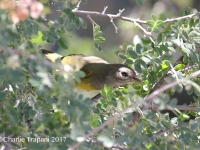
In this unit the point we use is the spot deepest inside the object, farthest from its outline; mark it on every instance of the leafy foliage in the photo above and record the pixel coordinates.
(98, 38)
(37, 101)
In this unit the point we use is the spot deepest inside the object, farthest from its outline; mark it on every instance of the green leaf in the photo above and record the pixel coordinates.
(60, 20)
(179, 66)
(173, 102)
(99, 39)
(98, 34)
(77, 23)
(139, 48)
(143, 65)
(159, 23)
(139, 2)
(70, 27)
(107, 90)
(195, 126)
(149, 29)
(195, 57)
(159, 38)
(150, 23)
(157, 61)
(156, 29)
(96, 29)
(138, 66)
(129, 47)
(63, 43)
(60, 32)
(151, 79)
(83, 23)
(38, 38)
(122, 56)
(166, 62)
(94, 120)
(97, 46)
(146, 58)
(180, 23)
(132, 54)
(164, 66)
(164, 48)
(174, 28)
(72, 17)
(154, 17)
(67, 11)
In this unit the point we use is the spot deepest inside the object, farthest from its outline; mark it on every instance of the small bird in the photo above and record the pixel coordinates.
(97, 71)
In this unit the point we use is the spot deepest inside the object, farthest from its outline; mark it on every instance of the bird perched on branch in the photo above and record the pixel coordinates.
(97, 71)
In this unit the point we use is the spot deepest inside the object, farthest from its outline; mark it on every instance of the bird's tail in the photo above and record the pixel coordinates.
(50, 55)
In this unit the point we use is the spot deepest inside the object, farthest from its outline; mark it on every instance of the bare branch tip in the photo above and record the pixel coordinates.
(120, 12)
(78, 5)
(104, 10)
(111, 20)
(91, 20)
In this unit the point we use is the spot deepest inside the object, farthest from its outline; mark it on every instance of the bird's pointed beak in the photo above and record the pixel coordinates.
(136, 80)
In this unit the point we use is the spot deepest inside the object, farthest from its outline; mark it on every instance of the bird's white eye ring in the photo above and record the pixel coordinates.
(124, 74)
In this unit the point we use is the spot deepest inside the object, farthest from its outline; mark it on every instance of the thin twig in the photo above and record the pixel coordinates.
(111, 20)
(77, 6)
(181, 18)
(137, 22)
(179, 107)
(94, 13)
(188, 68)
(159, 133)
(91, 20)
(147, 99)
(120, 12)
(143, 29)
(104, 10)
(96, 98)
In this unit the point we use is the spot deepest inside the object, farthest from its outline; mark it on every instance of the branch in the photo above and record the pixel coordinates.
(181, 18)
(147, 99)
(104, 10)
(96, 98)
(78, 5)
(143, 29)
(91, 20)
(117, 16)
(137, 22)
(159, 133)
(179, 107)
(111, 20)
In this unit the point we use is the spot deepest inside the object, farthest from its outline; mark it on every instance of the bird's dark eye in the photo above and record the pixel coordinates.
(124, 74)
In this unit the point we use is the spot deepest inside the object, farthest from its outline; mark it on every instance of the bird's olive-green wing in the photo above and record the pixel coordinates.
(75, 60)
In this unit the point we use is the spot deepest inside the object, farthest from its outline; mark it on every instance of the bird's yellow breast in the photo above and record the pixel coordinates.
(85, 84)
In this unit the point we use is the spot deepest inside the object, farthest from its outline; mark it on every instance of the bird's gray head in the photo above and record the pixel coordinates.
(121, 75)
(127, 75)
